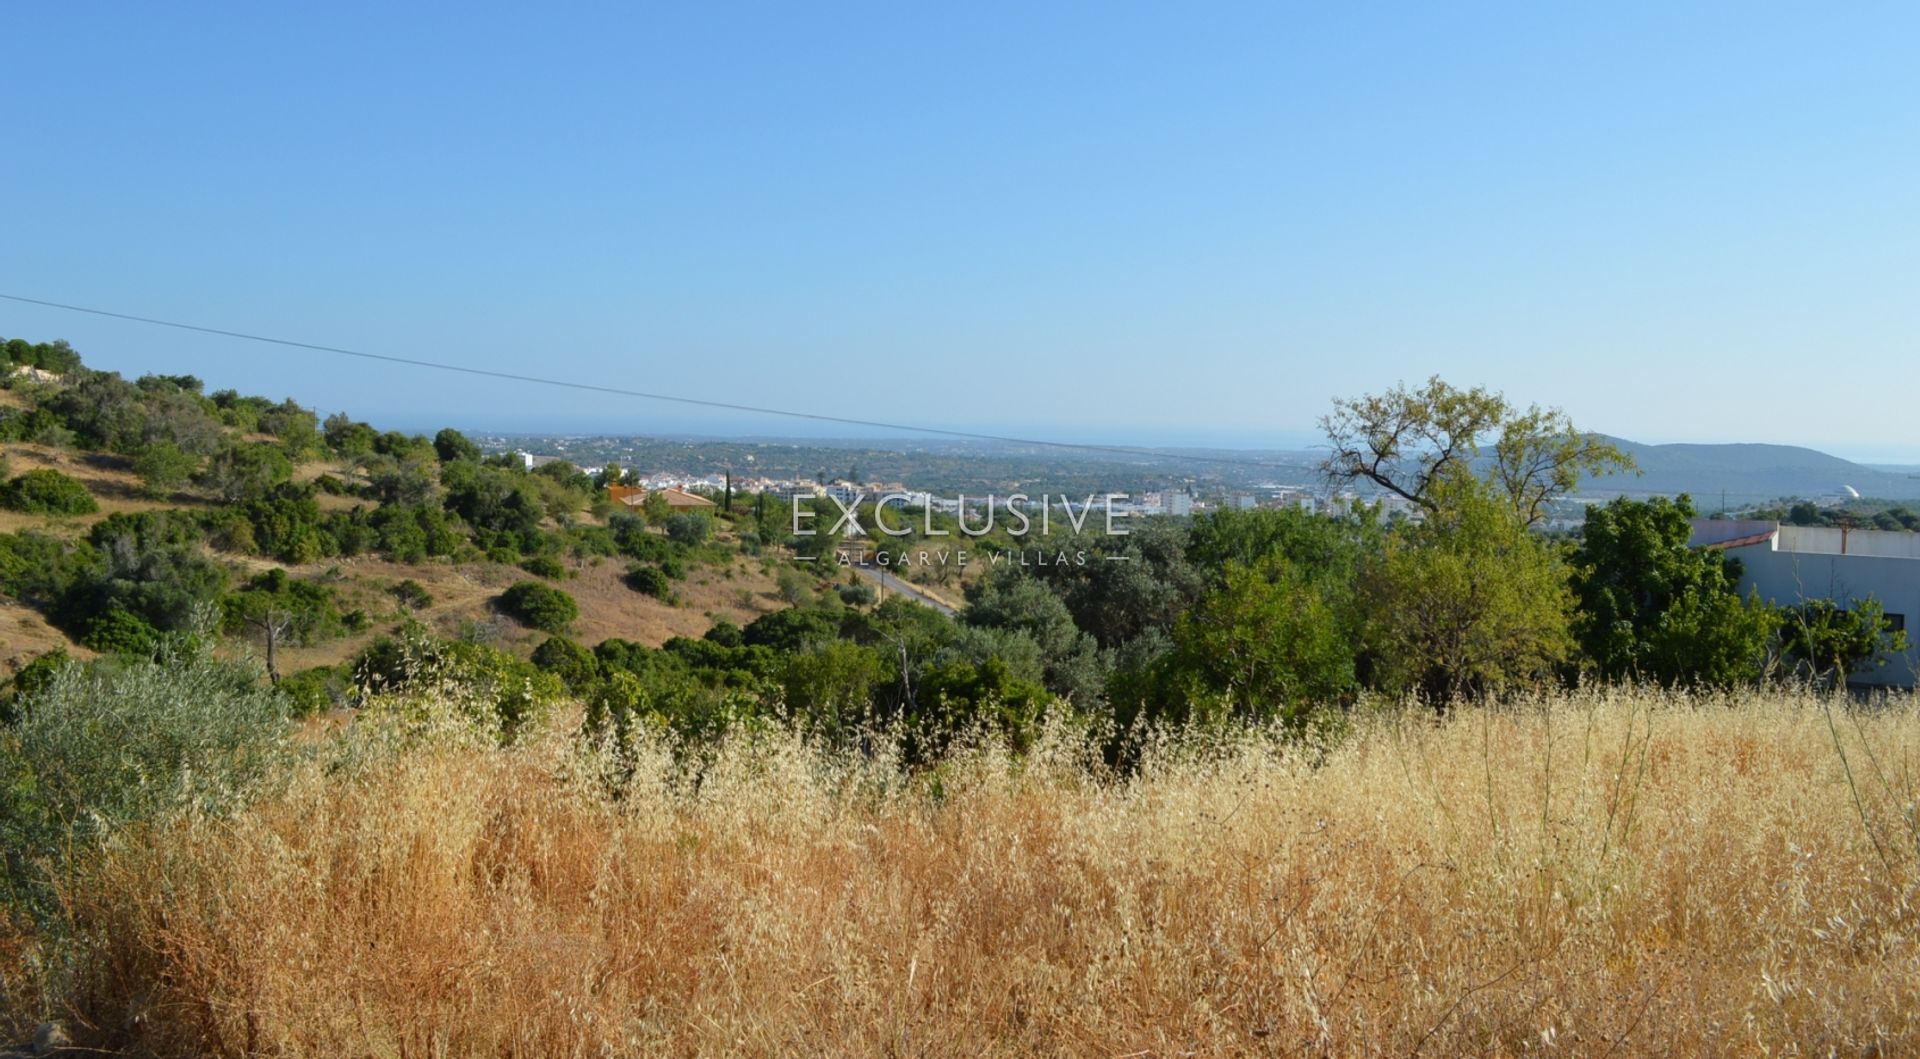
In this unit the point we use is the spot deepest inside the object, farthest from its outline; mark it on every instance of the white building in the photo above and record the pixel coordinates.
(1788, 565)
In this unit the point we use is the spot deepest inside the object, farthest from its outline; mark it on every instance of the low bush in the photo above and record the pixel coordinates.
(47, 492)
(412, 594)
(100, 746)
(546, 566)
(649, 580)
(538, 606)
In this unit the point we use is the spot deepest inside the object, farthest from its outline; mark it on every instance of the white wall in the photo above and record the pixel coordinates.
(1790, 577)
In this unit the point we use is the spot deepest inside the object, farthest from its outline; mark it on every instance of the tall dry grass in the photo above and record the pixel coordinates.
(1610, 874)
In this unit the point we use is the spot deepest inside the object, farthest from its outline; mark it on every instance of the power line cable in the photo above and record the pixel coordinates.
(1119, 450)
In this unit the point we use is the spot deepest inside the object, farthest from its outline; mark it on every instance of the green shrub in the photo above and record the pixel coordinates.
(546, 566)
(504, 554)
(164, 467)
(588, 541)
(539, 607)
(47, 492)
(688, 529)
(569, 661)
(412, 594)
(649, 580)
(507, 692)
(303, 612)
(314, 690)
(108, 744)
(121, 632)
(31, 680)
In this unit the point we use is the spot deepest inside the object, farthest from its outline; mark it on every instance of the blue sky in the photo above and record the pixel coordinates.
(1134, 224)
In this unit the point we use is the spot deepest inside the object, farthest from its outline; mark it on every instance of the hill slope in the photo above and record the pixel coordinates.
(1747, 473)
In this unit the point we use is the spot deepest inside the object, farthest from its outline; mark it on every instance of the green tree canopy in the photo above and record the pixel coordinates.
(1652, 608)
(1411, 442)
(1468, 601)
(1263, 644)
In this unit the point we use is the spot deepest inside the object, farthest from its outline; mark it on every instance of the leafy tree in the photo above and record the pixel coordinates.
(148, 565)
(187, 384)
(1411, 442)
(688, 528)
(40, 569)
(956, 696)
(1827, 642)
(246, 470)
(539, 606)
(47, 492)
(286, 523)
(1326, 550)
(572, 663)
(30, 680)
(565, 475)
(242, 413)
(831, 684)
(296, 428)
(121, 632)
(176, 413)
(37, 424)
(861, 594)
(494, 499)
(1264, 644)
(314, 690)
(794, 587)
(794, 629)
(407, 481)
(103, 410)
(164, 467)
(1129, 586)
(655, 508)
(281, 611)
(1468, 601)
(1074, 667)
(55, 356)
(1652, 608)
(410, 534)
(450, 445)
(348, 438)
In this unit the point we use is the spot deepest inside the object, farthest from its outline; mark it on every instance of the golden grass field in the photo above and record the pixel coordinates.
(1602, 874)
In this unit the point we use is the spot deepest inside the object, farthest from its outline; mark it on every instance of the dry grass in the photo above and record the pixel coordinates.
(1607, 875)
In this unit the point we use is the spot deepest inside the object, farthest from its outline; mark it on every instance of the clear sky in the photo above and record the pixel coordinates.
(1139, 224)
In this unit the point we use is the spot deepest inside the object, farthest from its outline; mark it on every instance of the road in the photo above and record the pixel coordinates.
(891, 584)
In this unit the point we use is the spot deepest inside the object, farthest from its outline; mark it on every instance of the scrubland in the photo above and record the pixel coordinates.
(1606, 873)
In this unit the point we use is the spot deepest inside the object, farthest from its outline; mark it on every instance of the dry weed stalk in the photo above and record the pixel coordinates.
(1609, 873)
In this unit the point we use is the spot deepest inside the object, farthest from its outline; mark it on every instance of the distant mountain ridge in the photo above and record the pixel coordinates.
(1746, 473)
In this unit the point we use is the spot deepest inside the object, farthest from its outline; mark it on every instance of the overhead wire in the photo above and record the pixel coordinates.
(621, 391)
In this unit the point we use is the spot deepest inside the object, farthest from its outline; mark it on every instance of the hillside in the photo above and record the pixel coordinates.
(1746, 473)
(182, 506)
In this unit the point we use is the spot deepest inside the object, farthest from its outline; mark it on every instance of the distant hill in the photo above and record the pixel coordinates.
(1746, 473)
